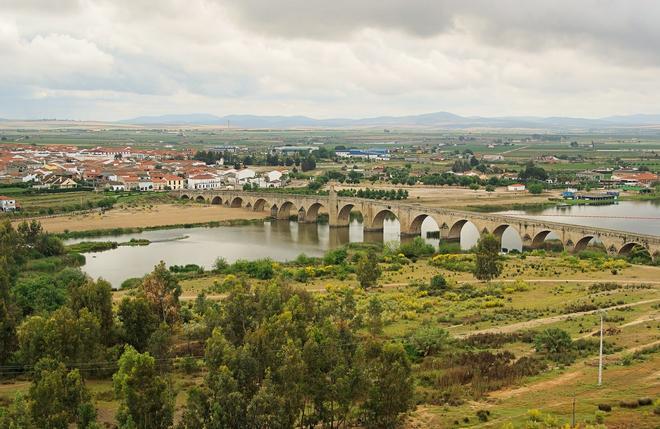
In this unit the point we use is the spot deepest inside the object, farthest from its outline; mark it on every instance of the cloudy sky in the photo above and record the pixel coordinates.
(114, 59)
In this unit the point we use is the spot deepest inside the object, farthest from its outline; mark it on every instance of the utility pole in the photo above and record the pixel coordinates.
(600, 356)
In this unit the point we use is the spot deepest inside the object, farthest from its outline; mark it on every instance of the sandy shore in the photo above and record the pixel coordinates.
(459, 198)
(158, 215)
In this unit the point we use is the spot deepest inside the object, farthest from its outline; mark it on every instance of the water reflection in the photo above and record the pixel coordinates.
(279, 240)
(284, 240)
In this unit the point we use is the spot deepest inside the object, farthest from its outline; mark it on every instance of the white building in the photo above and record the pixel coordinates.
(238, 178)
(516, 187)
(7, 204)
(145, 185)
(204, 181)
(493, 158)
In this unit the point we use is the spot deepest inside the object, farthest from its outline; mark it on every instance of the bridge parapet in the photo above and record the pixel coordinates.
(411, 216)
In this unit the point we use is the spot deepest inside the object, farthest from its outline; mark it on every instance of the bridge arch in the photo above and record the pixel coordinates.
(582, 243)
(312, 212)
(539, 238)
(455, 229)
(416, 224)
(236, 202)
(628, 247)
(184, 197)
(465, 232)
(200, 199)
(216, 200)
(259, 205)
(284, 211)
(344, 214)
(498, 231)
(379, 218)
(509, 236)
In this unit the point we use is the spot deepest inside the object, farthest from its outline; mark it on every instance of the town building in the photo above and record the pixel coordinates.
(379, 154)
(516, 187)
(7, 204)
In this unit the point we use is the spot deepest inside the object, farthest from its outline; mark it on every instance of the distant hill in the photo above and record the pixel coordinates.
(441, 120)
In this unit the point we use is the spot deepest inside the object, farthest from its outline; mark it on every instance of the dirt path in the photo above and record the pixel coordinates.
(547, 320)
(544, 385)
(644, 319)
(513, 150)
(566, 377)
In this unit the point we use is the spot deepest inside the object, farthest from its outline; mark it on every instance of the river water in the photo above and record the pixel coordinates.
(284, 240)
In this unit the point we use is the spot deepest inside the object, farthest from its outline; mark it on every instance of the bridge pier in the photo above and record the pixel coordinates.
(410, 215)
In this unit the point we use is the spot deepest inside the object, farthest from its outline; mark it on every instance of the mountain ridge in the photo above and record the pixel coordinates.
(431, 120)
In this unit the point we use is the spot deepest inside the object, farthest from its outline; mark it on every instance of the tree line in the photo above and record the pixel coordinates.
(273, 355)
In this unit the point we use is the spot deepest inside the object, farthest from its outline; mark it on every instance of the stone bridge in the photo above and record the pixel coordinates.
(412, 215)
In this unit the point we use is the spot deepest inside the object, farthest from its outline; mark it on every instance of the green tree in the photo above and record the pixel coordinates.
(17, 415)
(553, 341)
(146, 401)
(159, 345)
(62, 336)
(437, 285)
(367, 269)
(487, 264)
(428, 340)
(375, 316)
(390, 386)
(162, 291)
(218, 404)
(138, 320)
(7, 313)
(309, 163)
(533, 172)
(535, 188)
(96, 297)
(10, 258)
(59, 397)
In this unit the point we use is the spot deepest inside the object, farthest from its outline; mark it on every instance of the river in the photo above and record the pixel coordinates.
(284, 240)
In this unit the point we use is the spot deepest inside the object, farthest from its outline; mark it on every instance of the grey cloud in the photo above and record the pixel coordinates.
(41, 6)
(597, 26)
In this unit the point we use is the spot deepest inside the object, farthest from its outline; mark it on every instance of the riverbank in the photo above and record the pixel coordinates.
(110, 232)
(494, 208)
(147, 217)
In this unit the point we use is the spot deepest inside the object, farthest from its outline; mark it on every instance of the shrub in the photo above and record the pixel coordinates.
(335, 257)
(449, 247)
(131, 283)
(553, 341)
(188, 268)
(483, 415)
(91, 246)
(220, 264)
(629, 404)
(454, 262)
(605, 407)
(437, 286)
(261, 269)
(187, 364)
(645, 401)
(416, 248)
(304, 260)
(428, 340)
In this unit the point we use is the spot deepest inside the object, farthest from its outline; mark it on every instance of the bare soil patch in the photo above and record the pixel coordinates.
(146, 216)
